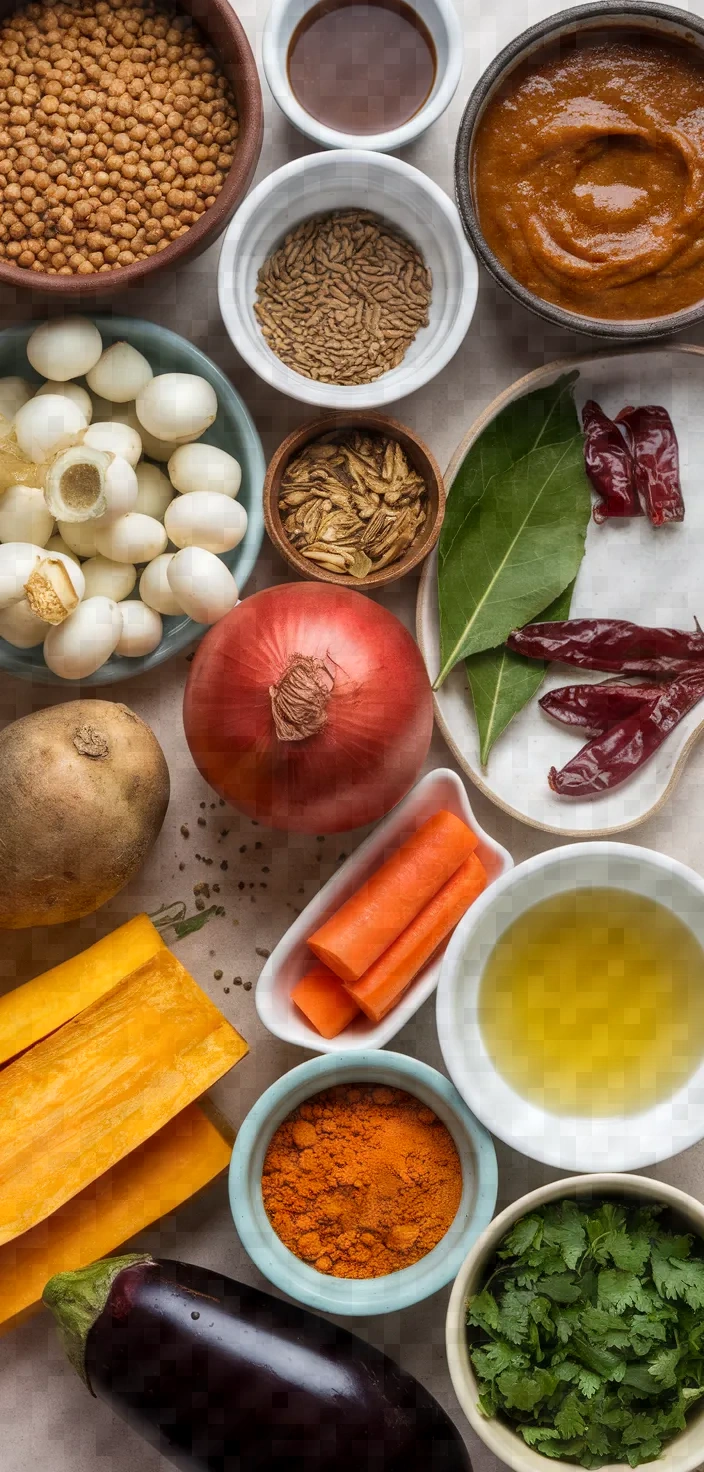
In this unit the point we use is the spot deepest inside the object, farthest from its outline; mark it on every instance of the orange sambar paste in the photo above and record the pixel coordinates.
(588, 176)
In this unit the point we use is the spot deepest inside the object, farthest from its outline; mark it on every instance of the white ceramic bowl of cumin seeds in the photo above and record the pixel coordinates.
(405, 200)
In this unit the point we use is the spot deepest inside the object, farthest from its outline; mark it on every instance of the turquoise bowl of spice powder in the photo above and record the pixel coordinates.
(321, 1290)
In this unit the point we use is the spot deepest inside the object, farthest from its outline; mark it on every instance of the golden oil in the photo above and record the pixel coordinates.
(592, 1003)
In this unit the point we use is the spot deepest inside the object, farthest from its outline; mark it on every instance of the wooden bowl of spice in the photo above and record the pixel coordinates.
(354, 498)
(359, 1182)
(130, 135)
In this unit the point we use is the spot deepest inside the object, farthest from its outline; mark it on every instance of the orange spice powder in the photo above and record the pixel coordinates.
(361, 1181)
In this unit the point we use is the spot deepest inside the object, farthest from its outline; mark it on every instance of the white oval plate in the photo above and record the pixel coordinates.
(629, 571)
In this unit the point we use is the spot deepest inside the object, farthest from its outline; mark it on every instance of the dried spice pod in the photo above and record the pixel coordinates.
(356, 499)
(351, 502)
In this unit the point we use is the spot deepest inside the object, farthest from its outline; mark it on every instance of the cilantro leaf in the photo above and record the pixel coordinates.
(483, 1310)
(675, 1278)
(527, 1231)
(663, 1366)
(569, 1419)
(494, 1358)
(565, 1229)
(589, 1383)
(589, 1340)
(619, 1290)
(524, 1390)
(562, 1287)
(628, 1252)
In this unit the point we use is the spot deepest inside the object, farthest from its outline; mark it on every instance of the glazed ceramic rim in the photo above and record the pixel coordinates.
(278, 30)
(369, 1295)
(237, 311)
(242, 558)
(621, 331)
(579, 1142)
(496, 1435)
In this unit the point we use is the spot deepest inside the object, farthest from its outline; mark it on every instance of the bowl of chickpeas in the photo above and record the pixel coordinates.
(129, 133)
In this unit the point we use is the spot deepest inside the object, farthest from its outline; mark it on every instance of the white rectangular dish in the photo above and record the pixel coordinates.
(290, 961)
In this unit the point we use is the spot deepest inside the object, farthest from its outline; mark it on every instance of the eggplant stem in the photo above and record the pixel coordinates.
(77, 1299)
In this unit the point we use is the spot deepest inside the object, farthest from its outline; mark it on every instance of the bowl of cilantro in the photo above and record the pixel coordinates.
(575, 1329)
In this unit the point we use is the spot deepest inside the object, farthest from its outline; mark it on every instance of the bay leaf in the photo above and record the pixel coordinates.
(517, 516)
(502, 682)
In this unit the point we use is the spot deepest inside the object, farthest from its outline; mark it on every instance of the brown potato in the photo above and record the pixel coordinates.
(84, 789)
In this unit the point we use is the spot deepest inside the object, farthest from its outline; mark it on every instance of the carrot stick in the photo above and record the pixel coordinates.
(323, 999)
(383, 984)
(372, 919)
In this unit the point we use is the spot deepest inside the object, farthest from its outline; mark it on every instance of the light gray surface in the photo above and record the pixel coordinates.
(47, 1420)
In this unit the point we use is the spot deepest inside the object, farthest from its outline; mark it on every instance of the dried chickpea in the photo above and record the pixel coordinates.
(117, 129)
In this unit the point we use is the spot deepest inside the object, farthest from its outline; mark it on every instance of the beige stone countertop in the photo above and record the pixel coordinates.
(47, 1420)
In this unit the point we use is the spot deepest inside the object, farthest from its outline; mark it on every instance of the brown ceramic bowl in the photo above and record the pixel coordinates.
(224, 31)
(643, 16)
(420, 458)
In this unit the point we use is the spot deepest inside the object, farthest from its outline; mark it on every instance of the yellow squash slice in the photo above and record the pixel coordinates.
(160, 1175)
(34, 1010)
(81, 1100)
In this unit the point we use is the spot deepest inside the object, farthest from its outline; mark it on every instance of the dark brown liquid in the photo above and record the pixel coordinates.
(361, 68)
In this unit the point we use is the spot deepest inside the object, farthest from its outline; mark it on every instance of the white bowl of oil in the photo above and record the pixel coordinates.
(570, 1007)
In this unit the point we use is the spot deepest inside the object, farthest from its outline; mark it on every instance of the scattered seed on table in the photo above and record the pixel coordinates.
(202, 823)
(265, 868)
(185, 832)
(243, 848)
(241, 884)
(262, 952)
(207, 861)
(202, 804)
(200, 904)
(226, 989)
(237, 981)
(202, 888)
(182, 867)
(216, 889)
(218, 975)
(258, 845)
(224, 864)
(247, 985)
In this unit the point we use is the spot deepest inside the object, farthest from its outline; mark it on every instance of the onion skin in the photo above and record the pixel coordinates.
(379, 717)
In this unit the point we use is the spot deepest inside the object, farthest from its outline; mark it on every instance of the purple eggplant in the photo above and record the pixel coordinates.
(223, 1378)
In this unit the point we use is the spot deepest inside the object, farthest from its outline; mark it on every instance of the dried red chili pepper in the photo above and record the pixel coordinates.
(609, 465)
(653, 444)
(608, 759)
(611, 644)
(596, 707)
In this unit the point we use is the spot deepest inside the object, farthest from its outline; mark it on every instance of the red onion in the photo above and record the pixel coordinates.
(308, 708)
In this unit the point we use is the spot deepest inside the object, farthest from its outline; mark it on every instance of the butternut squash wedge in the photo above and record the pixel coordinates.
(81, 1100)
(160, 1175)
(32, 1011)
